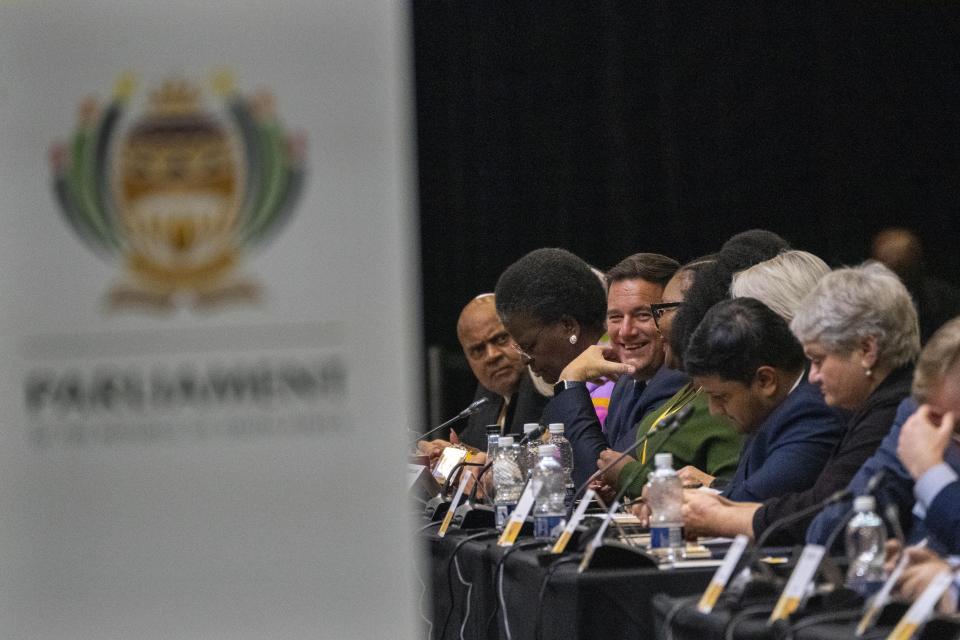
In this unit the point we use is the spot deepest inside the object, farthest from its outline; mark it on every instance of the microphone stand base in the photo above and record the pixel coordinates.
(616, 555)
(437, 507)
(475, 516)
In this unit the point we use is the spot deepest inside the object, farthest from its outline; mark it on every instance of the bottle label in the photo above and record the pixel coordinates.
(503, 513)
(519, 513)
(661, 538)
(864, 587)
(543, 526)
(564, 538)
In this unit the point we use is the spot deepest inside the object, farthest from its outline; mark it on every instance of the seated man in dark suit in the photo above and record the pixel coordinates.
(859, 331)
(921, 459)
(926, 445)
(752, 369)
(500, 372)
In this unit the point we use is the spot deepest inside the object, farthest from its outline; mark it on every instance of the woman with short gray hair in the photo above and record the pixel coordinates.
(857, 326)
(859, 329)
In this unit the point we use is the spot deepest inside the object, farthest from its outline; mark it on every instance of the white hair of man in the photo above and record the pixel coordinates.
(782, 282)
(853, 303)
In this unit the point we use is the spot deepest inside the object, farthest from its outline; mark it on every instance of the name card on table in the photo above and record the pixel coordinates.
(448, 518)
(709, 598)
(802, 575)
(564, 539)
(598, 538)
(921, 610)
(515, 522)
(876, 604)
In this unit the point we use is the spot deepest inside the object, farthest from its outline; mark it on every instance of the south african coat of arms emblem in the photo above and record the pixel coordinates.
(179, 191)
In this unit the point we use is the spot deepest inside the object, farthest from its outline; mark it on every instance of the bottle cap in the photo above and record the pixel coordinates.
(547, 450)
(664, 460)
(864, 503)
(492, 429)
(556, 427)
(505, 441)
(530, 426)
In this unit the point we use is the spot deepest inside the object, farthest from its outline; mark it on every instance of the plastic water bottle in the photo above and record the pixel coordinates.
(507, 479)
(528, 452)
(564, 454)
(549, 491)
(493, 437)
(866, 536)
(665, 497)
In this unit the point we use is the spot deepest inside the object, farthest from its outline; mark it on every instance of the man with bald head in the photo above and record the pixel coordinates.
(500, 372)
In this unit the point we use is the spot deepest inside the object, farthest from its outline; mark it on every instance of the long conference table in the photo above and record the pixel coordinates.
(472, 600)
(477, 590)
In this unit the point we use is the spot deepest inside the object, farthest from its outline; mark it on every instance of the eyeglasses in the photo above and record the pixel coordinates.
(523, 352)
(660, 308)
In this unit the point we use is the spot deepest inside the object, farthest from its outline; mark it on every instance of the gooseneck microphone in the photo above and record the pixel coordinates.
(455, 473)
(665, 425)
(872, 485)
(764, 576)
(536, 434)
(469, 411)
(776, 525)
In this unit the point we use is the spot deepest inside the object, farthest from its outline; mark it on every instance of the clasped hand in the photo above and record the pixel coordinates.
(595, 363)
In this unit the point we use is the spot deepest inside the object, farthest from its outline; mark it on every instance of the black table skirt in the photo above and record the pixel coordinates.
(751, 624)
(608, 604)
(477, 569)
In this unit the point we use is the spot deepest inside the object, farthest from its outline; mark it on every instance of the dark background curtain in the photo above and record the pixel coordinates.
(609, 128)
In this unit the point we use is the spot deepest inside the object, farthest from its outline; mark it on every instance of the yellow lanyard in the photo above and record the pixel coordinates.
(686, 396)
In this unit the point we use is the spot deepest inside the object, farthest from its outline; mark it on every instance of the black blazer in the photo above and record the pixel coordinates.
(526, 405)
(863, 435)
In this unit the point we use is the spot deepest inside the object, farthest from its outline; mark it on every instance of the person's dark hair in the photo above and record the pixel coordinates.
(712, 281)
(739, 336)
(548, 284)
(651, 267)
(696, 264)
(756, 240)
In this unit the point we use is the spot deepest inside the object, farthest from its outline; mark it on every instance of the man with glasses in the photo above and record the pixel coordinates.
(705, 442)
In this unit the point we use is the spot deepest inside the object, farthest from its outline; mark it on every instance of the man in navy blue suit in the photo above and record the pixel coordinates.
(751, 367)
(921, 460)
(927, 446)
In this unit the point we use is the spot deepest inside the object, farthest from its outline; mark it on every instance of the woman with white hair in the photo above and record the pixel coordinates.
(782, 282)
(858, 327)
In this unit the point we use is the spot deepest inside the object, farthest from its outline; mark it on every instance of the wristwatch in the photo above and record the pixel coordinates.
(563, 385)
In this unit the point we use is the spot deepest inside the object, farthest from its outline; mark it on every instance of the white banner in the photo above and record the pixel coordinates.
(207, 330)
